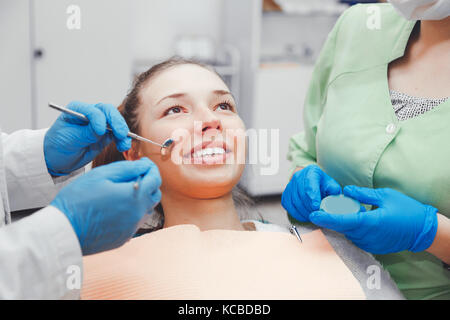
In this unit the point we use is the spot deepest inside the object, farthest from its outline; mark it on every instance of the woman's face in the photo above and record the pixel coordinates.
(193, 106)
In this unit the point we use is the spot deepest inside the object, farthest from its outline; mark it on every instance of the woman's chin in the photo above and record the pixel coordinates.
(203, 193)
(209, 180)
(212, 171)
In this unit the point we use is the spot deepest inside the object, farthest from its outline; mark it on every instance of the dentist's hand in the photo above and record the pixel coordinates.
(399, 223)
(306, 190)
(70, 143)
(103, 206)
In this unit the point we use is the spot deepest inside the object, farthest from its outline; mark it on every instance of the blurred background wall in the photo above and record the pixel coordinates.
(157, 23)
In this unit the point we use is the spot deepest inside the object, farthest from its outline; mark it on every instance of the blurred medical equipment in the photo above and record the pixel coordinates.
(277, 50)
(311, 7)
(340, 204)
(199, 48)
(166, 147)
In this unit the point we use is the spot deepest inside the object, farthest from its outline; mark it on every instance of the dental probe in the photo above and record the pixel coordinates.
(294, 231)
(166, 145)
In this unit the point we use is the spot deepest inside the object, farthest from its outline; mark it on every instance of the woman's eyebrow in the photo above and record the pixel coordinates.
(182, 94)
(175, 95)
(222, 93)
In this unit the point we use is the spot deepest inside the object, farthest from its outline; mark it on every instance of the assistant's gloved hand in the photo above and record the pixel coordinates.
(399, 223)
(103, 206)
(70, 143)
(306, 190)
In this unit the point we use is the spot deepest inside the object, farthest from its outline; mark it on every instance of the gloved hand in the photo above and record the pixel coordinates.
(103, 206)
(306, 190)
(399, 223)
(70, 143)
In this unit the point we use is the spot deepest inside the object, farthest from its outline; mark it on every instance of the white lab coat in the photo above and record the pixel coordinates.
(37, 252)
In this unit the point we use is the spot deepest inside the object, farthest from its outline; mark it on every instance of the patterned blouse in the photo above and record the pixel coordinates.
(407, 107)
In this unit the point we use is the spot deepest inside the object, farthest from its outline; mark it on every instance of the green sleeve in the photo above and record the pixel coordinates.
(302, 146)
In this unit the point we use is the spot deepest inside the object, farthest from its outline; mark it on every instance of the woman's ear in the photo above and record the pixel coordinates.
(133, 153)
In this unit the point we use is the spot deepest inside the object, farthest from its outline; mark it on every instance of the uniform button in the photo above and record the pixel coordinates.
(390, 128)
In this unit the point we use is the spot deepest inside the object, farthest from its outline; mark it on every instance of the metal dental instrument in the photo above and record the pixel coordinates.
(166, 145)
(293, 230)
(136, 184)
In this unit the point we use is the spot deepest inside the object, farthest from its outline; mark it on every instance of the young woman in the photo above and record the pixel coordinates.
(173, 97)
(190, 103)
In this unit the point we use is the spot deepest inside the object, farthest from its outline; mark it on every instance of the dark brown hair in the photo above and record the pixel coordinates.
(130, 109)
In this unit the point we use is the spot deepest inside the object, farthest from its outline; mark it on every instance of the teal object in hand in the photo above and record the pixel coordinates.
(340, 204)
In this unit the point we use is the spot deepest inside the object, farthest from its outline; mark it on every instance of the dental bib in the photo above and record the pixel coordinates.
(182, 262)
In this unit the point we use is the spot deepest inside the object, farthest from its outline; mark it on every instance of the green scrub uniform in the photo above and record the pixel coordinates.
(351, 131)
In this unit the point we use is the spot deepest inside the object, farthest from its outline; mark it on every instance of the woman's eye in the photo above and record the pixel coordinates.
(173, 110)
(225, 106)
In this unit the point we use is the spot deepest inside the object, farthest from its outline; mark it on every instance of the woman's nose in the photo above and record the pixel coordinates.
(209, 121)
(213, 124)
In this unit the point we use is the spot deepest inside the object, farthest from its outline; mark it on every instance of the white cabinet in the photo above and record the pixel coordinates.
(91, 64)
(15, 65)
(42, 60)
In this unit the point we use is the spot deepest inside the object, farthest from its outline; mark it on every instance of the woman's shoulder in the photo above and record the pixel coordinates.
(368, 35)
(371, 16)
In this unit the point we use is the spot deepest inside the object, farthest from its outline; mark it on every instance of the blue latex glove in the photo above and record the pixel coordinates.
(70, 143)
(103, 206)
(306, 190)
(399, 223)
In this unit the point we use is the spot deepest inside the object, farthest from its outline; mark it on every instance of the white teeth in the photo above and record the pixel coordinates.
(208, 152)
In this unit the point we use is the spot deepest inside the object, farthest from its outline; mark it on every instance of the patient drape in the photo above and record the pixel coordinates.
(182, 262)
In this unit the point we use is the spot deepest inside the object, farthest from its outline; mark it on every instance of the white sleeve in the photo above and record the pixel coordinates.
(39, 255)
(28, 181)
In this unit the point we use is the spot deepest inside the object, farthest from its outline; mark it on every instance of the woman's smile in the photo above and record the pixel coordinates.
(209, 153)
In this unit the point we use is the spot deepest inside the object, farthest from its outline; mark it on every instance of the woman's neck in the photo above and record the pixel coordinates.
(434, 32)
(423, 70)
(206, 214)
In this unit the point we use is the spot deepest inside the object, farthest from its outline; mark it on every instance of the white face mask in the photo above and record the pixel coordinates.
(422, 9)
